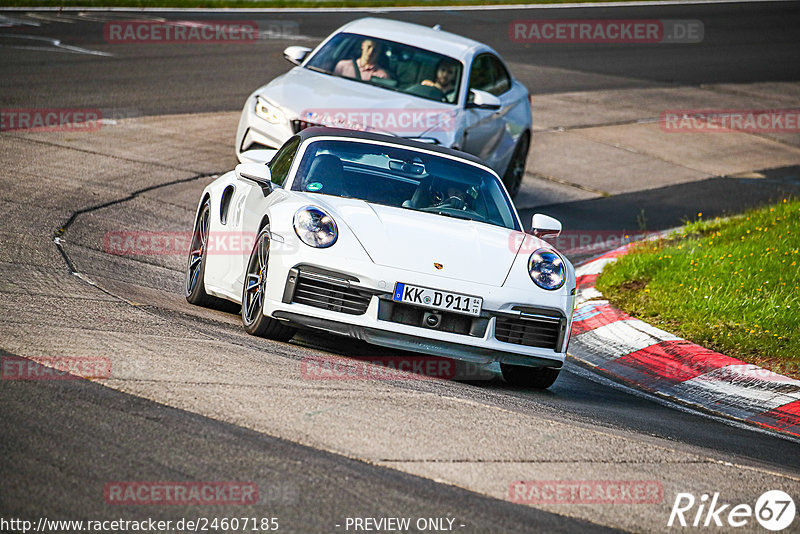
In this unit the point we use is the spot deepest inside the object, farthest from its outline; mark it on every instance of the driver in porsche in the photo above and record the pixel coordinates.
(453, 195)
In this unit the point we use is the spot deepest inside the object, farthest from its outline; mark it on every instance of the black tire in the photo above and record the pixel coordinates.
(516, 166)
(529, 377)
(194, 288)
(255, 283)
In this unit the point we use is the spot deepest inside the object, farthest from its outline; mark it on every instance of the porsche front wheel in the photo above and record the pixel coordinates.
(254, 292)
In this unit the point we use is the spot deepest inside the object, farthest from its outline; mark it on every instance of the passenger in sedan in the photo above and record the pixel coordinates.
(445, 78)
(366, 66)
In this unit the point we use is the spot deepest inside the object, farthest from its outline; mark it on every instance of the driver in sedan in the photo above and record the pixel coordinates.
(445, 79)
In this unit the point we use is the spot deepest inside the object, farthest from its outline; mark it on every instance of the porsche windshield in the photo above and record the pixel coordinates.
(390, 65)
(404, 178)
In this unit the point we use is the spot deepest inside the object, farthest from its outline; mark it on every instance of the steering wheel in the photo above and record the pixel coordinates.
(426, 91)
(452, 202)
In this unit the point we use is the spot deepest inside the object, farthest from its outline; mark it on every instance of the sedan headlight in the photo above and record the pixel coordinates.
(315, 228)
(268, 112)
(547, 269)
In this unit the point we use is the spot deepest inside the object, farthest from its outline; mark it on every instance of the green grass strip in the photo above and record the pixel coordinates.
(730, 285)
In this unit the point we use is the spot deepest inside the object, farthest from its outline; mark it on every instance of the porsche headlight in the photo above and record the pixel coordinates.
(547, 269)
(315, 228)
(268, 112)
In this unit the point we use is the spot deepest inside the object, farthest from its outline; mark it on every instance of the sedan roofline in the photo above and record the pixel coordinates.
(450, 44)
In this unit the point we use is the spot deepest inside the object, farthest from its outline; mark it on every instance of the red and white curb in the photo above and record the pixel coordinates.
(659, 362)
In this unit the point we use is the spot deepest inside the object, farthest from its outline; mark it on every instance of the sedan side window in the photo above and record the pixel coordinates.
(488, 74)
(282, 162)
(480, 75)
(502, 80)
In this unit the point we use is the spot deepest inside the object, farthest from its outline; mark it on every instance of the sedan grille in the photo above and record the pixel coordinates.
(329, 294)
(298, 125)
(531, 330)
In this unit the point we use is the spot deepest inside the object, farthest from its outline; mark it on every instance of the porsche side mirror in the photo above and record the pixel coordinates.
(258, 173)
(257, 155)
(482, 100)
(296, 54)
(544, 225)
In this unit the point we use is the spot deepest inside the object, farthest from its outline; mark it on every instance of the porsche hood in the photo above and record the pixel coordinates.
(421, 242)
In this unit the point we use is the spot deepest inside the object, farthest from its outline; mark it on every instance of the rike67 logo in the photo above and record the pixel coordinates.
(774, 510)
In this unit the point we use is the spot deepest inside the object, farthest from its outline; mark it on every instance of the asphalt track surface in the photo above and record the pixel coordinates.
(319, 489)
(61, 440)
(751, 42)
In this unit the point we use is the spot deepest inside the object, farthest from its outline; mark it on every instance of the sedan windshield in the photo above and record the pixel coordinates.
(390, 65)
(404, 178)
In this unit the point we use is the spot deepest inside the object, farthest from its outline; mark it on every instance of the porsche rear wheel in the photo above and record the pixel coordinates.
(195, 290)
(516, 167)
(253, 294)
(529, 377)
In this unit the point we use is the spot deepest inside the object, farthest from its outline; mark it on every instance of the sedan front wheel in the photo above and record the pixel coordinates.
(516, 167)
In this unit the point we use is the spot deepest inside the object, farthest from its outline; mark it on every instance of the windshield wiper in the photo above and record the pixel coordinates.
(447, 214)
(453, 215)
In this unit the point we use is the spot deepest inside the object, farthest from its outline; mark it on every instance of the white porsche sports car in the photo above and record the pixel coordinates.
(405, 79)
(388, 240)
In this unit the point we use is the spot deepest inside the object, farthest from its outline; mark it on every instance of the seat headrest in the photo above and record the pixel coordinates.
(326, 175)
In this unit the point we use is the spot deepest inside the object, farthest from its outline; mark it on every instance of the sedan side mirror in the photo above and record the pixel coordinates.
(258, 173)
(544, 225)
(482, 100)
(296, 54)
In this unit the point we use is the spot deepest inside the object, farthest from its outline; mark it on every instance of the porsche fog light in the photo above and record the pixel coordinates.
(315, 228)
(547, 269)
(268, 112)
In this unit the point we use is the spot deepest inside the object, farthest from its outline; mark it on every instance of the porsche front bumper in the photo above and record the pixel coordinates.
(507, 330)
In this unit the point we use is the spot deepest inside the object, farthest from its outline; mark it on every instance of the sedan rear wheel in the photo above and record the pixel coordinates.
(516, 167)
(253, 294)
(529, 377)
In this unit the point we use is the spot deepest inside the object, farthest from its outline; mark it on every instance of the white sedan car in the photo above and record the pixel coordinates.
(388, 240)
(399, 78)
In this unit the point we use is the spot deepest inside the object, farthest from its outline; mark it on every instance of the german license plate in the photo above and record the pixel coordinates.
(440, 300)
